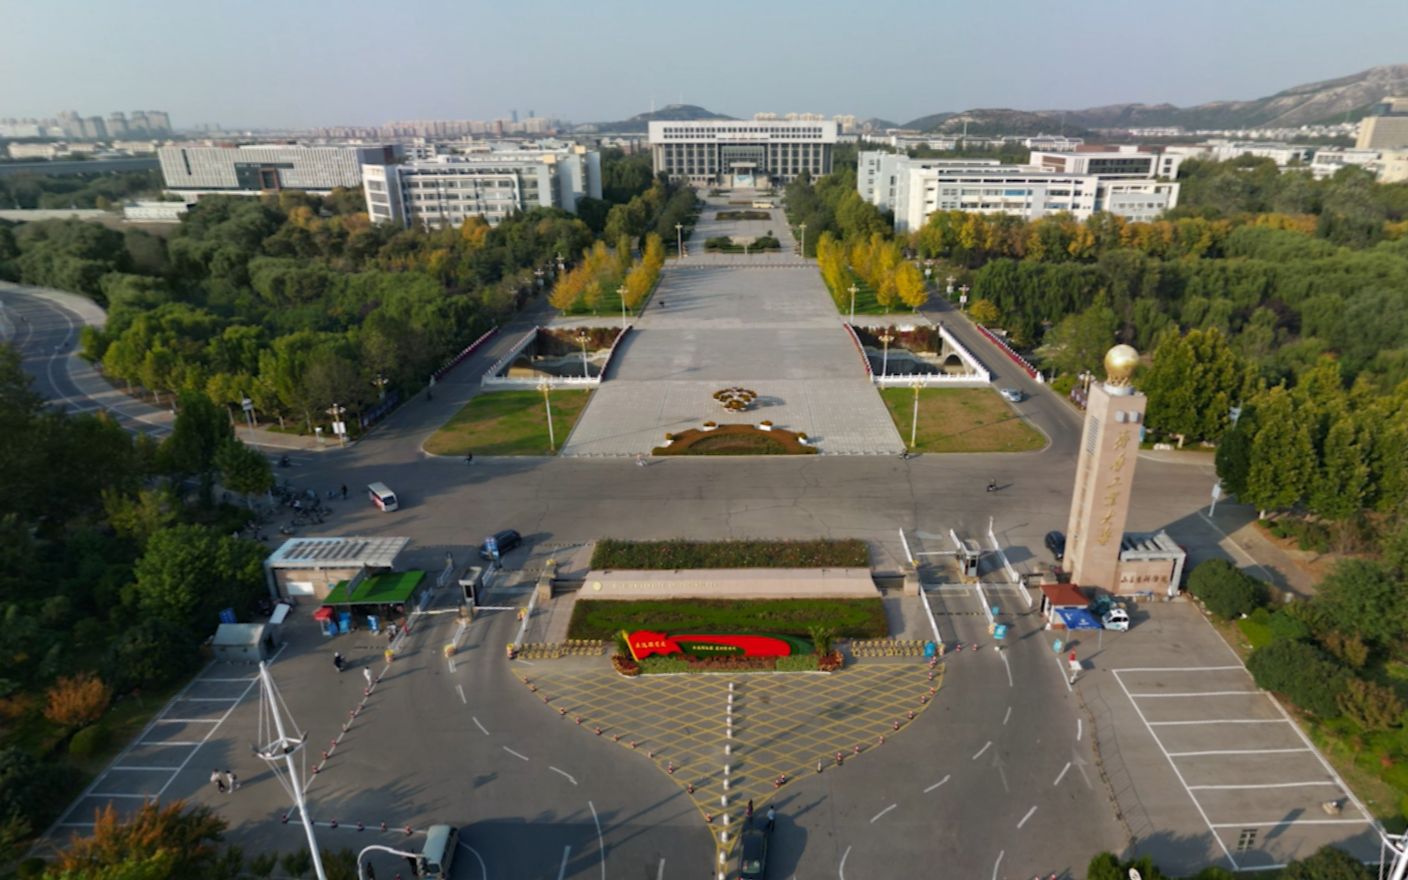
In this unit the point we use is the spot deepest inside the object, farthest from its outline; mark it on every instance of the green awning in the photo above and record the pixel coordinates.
(388, 588)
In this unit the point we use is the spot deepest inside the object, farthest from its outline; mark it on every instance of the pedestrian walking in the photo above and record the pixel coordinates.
(748, 813)
(338, 661)
(232, 780)
(640, 460)
(344, 491)
(772, 818)
(391, 632)
(219, 781)
(367, 674)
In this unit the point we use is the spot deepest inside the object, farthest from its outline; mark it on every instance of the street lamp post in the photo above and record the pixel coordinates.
(963, 298)
(914, 425)
(561, 266)
(803, 227)
(886, 337)
(338, 428)
(679, 240)
(545, 386)
(277, 745)
(583, 338)
(539, 273)
(950, 279)
(380, 383)
(853, 291)
(621, 295)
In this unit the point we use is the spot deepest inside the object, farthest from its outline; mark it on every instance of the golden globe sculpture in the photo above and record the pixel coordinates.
(1120, 362)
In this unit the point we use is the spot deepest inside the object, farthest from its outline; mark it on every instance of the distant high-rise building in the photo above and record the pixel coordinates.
(117, 124)
(1386, 128)
(258, 168)
(159, 120)
(71, 123)
(94, 127)
(137, 121)
(515, 115)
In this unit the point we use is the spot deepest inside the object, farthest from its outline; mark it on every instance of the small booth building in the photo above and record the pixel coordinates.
(307, 569)
(1150, 563)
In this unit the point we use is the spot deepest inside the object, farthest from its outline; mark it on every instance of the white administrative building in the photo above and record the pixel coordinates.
(445, 190)
(192, 171)
(1134, 184)
(742, 153)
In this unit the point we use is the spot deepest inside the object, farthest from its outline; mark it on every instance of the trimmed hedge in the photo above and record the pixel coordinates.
(1226, 590)
(848, 618)
(1302, 672)
(679, 553)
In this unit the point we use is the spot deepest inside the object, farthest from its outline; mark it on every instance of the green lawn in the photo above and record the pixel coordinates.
(866, 303)
(508, 423)
(849, 618)
(961, 420)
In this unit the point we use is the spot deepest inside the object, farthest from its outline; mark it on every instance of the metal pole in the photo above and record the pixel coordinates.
(854, 291)
(914, 425)
(552, 441)
(296, 784)
(621, 294)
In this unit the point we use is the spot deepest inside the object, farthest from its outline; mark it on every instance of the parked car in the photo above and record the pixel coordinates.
(753, 855)
(1013, 394)
(503, 542)
(1056, 543)
(1116, 619)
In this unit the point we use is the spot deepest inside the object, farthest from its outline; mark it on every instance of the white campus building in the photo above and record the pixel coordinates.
(444, 190)
(742, 153)
(193, 171)
(1129, 183)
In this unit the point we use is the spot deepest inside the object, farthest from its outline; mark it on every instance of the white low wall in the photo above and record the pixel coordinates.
(492, 379)
(730, 583)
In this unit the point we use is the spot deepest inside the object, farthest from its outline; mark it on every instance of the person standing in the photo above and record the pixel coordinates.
(219, 781)
(367, 674)
(748, 812)
(344, 491)
(232, 780)
(772, 817)
(338, 661)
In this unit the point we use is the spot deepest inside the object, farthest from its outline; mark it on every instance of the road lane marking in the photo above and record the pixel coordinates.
(936, 785)
(1007, 717)
(1197, 694)
(460, 688)
(516, 754)
(1026, 817)
(1265, 785)
(660, 874)
(841, 870)
(475, 719)
(483, 870)
(1277, 823)
(564, 773)
(600, 844)
(1079, 728)
(1219, 721)
(1178, 668)
(997, 864)
(987, 745)
(1003, 654)
(1062, 774)
(562, 871)
(876, 817)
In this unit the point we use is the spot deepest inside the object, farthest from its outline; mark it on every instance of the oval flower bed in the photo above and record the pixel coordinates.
(736, 440)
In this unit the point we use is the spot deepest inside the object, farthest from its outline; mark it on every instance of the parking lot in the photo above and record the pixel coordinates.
(1205, 767)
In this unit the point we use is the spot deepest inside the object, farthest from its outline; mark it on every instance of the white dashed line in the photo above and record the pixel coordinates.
(841, 871)
(987, 745)
(564, 773)
(1007, 717)
(600, 843)
(566, 854)
(876, 817)
(1078, 729)
(1003, 655)
(997, 864)
(936, 785)
(478, 725)
(518, 755)
(1062, 774)
(460, 689)
(1026, 817)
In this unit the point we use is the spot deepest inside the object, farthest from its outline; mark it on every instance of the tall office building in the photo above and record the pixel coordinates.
(194, 171)
(137, 120)
(445, 190)
(94, 128)
(1386, 128)
(158, 121)
(742, 153)
(117, 124)
(1109, 448)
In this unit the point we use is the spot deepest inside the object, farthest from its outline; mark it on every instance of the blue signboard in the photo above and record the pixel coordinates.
(999, 631)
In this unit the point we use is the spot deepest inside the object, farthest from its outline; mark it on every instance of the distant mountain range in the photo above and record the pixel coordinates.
(668, 113)
(1334, 100)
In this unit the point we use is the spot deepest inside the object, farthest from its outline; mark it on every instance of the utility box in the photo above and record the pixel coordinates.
(472, 584)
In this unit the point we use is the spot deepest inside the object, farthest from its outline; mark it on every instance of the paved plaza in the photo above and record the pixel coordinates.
(768, 327)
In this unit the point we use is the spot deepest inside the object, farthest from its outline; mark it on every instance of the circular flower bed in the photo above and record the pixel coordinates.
(735, 399)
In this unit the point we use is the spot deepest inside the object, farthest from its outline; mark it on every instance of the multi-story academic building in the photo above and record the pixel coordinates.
(1130, 186)
(444, 190)
(194, 171)
(742, 153)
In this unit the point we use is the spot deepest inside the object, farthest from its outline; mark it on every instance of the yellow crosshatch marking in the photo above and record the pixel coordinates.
(783, 723)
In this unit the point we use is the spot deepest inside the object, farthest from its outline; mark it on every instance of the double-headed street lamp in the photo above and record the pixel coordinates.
(853, 290)
(338, 427)
(950, 279)
(963, 298)
(803, 227)
(545, 386)
(679, 240)
(621, 295)
(914, 425)
(380, 383)
(583, 337)
(886, 337)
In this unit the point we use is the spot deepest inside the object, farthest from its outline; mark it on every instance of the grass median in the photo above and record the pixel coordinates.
(509, 423)
(961, 420)
(846, 618)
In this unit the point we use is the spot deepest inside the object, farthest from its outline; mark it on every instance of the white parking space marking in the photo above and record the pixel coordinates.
(1026, 817)
(566, 854)
(1217, 721)
(936, 785)
(518, 755)
(876, 817)
(1262, 785)
(1007, 717)
(1062, 774)
(987, 745)
(478, 725)
(1235, 752)
(1197, 694)
(570, 777)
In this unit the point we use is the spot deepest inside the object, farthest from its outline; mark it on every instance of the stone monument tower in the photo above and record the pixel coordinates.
(1109, 446)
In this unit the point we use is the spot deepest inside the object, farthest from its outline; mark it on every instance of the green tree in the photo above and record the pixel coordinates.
(189, 835)
(242, 469)
(188, 573)
(1363, 597)
(1328, 863)
(1341, 483)
(1079, 342)
(30, 789)
(200, 430)
(1225, 589)
(151, 653)
(1302, 672)
(1282, 456)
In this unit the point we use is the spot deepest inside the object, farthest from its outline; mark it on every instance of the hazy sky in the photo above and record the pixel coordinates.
(325, 62)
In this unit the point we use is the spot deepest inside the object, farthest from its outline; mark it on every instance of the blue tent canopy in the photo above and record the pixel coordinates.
(1077, 618)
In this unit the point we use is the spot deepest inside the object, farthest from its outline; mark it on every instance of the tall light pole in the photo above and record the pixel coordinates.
(886, 337)
(338, 428)
(545, 386)
(963, 298)
(854, 290)
(621, 295)
(380, 383)
(679, 240)
(950, 279)
(803, 227)
(583, 338)
(539, 273)
(914, 425)
(278, 746)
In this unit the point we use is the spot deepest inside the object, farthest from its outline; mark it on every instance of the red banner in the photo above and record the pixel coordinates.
(645, 643)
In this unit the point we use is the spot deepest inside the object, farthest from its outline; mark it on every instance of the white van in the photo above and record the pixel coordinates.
(383, 497)
(439, 851)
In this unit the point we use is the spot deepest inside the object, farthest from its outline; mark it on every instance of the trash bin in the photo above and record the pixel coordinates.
(374, 623)
(930, 650)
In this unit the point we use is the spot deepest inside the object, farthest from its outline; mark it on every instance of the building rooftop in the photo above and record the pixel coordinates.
(1156, 544)
(337, 553)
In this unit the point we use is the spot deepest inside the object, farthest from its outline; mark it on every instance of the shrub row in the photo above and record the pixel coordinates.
(845, 618)
(678, 553)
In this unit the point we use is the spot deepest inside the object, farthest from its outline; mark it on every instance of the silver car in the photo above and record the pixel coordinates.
(1013, 394)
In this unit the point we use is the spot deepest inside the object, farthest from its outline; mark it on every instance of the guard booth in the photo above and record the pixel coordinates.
(472, 585)
(968, 555)
(245, 642)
